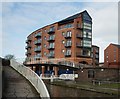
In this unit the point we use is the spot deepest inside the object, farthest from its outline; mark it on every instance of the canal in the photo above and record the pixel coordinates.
(60, 91)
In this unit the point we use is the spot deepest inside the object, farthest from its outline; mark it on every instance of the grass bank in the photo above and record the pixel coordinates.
(111, 89)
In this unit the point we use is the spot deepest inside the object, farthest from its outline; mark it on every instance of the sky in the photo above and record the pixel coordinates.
(19, 19)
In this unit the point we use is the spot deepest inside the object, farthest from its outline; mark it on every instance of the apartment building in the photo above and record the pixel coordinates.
(95, 55)
(70, 38)
(112, 56)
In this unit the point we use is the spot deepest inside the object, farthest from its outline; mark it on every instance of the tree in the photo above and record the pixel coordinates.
(9, 57)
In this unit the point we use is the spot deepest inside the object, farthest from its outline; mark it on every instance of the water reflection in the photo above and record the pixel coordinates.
(59, 91)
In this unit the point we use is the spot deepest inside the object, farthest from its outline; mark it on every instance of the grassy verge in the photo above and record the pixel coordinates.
(111, 89)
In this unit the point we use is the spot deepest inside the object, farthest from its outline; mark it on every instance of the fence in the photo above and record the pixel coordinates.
(34, 79)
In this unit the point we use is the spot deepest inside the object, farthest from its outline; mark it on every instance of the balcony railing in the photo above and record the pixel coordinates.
(28, 46)
(28, 52)
(51, 55)
(79, 45)
(51, 31)
(79, 26)
(37, 42)
(68, 45)
(67, 54)
(28, 40)
(51, 39)
(37, 49)
(51, 47)
(79, 54)
(79, 36)
(38, 35)
(67, 36)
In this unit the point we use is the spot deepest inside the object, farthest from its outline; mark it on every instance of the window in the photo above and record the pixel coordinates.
(68, 52)
(86, 43)
(45, 38)
(107, 56)
(68, 25)
(86, 52)
(45, 45)
(68, 43)
(51, 53)
(45, 53)
(114, 60)
(45, 30)
(87, 25)
(92, 55)
(69, 34)
(87, 34)
(96, 56)
(51, 37)
(52, 28)
(91, 73)
(51, 45)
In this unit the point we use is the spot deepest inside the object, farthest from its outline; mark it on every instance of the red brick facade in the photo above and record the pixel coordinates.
(70, 38)
(112, 56)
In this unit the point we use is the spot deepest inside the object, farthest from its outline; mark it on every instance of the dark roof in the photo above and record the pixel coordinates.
(116, 45)
(95, 46)
(73, 17)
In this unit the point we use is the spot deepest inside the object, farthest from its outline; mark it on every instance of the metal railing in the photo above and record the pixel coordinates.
(58, 61)
(34, 79)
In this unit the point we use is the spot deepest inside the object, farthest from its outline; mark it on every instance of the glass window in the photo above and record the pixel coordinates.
(51, 52)
(45, 53)
(86, 43)
(52, 45)
(91, 73)
(69, 34)
(45, 30)
(87, 34)
(68, 51)
(68, 42)
(45, 45)
(86, 52)
(45, 38)
(52, 28)
(87, 25)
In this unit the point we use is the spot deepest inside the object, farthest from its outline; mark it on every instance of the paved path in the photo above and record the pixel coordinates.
(16, 85)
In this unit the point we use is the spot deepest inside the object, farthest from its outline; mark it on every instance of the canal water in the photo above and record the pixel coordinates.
(60, 91)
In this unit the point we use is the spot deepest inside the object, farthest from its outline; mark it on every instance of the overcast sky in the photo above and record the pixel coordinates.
(20, 19)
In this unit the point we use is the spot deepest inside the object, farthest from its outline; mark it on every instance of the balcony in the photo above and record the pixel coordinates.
(51, 48)
(51, 55)
(37, 49)
(37, 42)
(79, 45)
(28, 46)
(52, 38)
(28, 40)
(28, 52)
(67, 54)
(67, 36)
(79, 36)
(79, 54)
(51, 30)
(79, 26)
(37, 57)
(38, 35)
(67, 45)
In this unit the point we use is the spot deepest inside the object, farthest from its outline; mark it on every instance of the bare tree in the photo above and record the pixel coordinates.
(9, 57)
